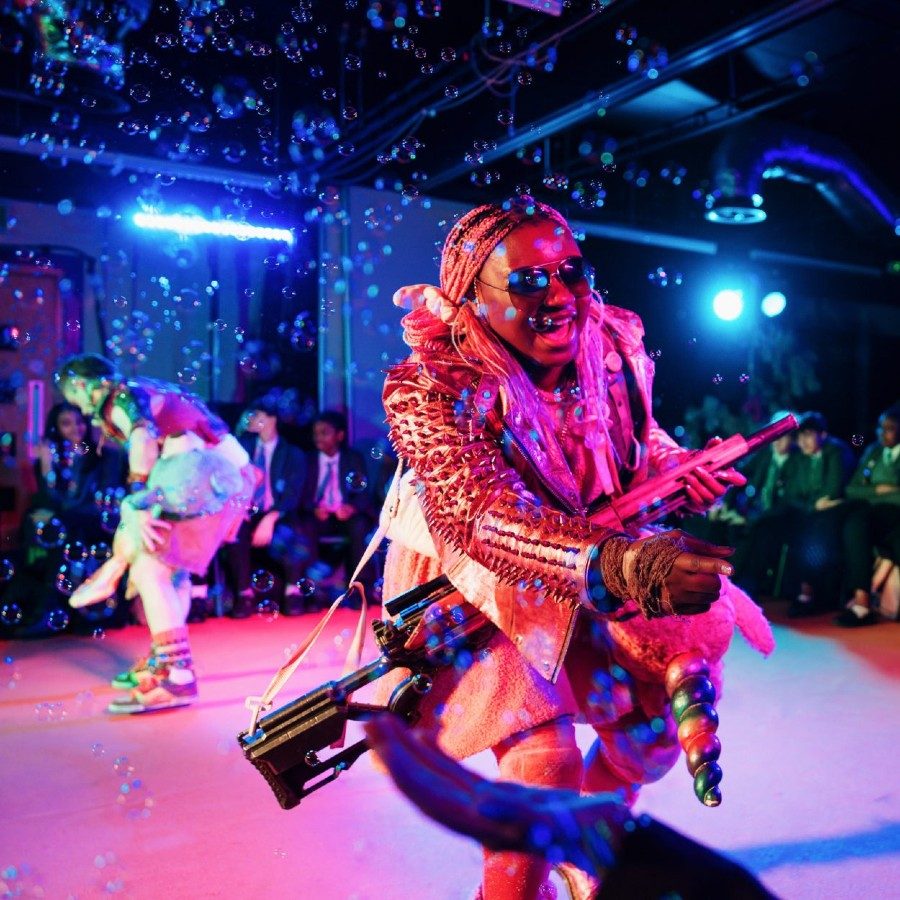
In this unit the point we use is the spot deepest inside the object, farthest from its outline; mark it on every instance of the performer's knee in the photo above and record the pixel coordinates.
(546, 755)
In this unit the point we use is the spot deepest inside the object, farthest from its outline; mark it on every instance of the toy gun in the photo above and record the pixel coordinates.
(426, 632)
(424, 635)
(655, 498)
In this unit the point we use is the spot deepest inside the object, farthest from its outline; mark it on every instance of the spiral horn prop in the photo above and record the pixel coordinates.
(693, 698)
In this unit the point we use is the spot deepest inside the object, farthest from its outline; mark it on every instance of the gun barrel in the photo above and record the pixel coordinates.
(432, 590)
(771, 432)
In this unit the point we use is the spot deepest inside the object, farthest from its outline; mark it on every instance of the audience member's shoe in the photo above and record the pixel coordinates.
(197, 612)
(293, 604)
(243, 607)
(805, 604)
(855, 616)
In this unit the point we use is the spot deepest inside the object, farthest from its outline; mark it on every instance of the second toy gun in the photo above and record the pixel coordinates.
(656, 497)
(427, 629)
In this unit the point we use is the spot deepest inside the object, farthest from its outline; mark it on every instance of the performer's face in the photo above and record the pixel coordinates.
(77, 392)
(542, 326)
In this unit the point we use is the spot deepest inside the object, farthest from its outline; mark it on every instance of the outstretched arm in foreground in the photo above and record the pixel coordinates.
(635, 857)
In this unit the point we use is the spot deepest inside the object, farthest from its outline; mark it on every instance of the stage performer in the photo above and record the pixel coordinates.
(524, 405)
(191, 483)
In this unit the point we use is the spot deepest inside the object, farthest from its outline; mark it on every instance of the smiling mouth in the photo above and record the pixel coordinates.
(550, 322)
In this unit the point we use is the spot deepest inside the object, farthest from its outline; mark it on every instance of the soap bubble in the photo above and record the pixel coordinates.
(51, 533)
(857, 440)
(267, 609)
(717, 378)
(262, 581)
(356, 482)
(11, 614)
(7, 570)
(57, 620)
(307, 587)
(75, 551)
(743, 378)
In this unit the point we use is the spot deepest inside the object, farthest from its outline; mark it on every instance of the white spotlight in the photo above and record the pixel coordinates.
(773, 304)
(728, 304)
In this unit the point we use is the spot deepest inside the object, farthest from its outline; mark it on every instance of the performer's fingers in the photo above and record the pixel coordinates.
(697, 545)
(699, 581)
(732, 476)
(693, 562)
(697, 492)
(708, 482)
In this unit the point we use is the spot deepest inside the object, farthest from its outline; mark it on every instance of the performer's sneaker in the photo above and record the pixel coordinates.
(131, 677)
(168, 687)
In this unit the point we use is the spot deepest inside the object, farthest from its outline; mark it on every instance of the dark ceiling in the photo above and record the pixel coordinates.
(636, 114)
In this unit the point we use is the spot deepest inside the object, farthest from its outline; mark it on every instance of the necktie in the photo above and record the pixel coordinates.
(263, 496)
(328, 493)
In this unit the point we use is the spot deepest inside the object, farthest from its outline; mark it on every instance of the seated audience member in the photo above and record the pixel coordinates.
(71, 469)
(73, 472)
(814, 487)
(336, 501)
(272, 533)
(872, 524)
(762, 507)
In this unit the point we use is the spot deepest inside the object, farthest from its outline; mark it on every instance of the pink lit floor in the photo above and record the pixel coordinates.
(812, 779)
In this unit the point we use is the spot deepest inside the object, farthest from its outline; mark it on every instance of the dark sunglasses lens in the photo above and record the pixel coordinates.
(530, 280)
(574, 270)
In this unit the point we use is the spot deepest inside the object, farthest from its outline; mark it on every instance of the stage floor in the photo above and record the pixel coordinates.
(164, 805)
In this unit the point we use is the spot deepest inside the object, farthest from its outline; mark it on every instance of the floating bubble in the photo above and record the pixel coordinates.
(64, 582)
(98, 634)
(352, 62)
(98, 751)
(743, 378)
(451, 91)
(75, 551)
(857, 440)
(57, 620)
(267, 609)
(10, 614)
(7, 570)
(448, 54)
(349, 113)
(717, 378)
(65, 207)
(248, 365)
(262, 581)
(187, 377)
(506, 117)
(356, 482)
(270, 83)
(307, 587)
(51, 533)
(100, 552)
(81, 448)
(140, 93)
(377, 452)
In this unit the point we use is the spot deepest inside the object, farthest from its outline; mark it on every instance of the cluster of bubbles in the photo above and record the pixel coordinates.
(661, 277)
(132, 797)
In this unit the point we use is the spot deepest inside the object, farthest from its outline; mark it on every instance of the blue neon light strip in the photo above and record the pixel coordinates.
(188, 225)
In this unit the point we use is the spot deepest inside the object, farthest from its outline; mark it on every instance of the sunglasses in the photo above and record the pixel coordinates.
(575, 272)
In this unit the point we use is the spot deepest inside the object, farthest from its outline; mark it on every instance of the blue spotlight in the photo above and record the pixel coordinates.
(190, 225)
(728, 304)
(773, 304)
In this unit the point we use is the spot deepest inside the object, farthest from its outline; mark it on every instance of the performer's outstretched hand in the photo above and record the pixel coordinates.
(558, 824)
(154, 532)
(705, 487)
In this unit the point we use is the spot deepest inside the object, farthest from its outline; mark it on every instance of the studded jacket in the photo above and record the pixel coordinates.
(504, 511)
